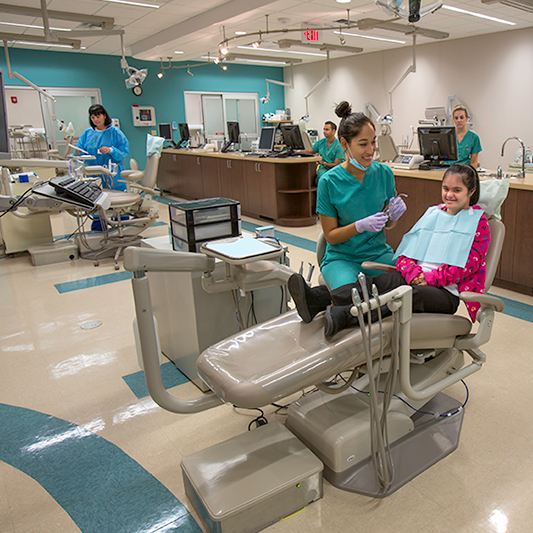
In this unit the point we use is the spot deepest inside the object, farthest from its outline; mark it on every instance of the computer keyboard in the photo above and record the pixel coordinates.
(84, 192)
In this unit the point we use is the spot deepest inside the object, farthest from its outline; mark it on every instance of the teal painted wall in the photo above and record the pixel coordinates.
(68, 69)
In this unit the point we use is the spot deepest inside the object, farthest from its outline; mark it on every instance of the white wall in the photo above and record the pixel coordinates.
(492, 75)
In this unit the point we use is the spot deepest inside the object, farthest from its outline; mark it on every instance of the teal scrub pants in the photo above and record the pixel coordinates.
(340, 272)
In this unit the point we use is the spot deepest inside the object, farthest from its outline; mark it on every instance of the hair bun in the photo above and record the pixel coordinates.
(343, 109)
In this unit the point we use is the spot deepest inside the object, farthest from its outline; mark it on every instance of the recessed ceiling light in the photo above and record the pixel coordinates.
(283, 51)
(131, 3)
(179, 52)
(239, 32)
(35, 43)
(370, 37)
(479, 15)
(33, 26)
(343, 1)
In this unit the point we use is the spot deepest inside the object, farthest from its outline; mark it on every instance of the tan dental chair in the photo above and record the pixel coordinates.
(130, 213)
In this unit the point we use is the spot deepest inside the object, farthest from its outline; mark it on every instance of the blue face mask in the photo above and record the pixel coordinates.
(355, 163)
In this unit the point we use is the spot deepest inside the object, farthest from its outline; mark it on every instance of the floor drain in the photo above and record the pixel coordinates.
(91, 324)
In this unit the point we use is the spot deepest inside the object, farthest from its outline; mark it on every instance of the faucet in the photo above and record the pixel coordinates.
(522, 173)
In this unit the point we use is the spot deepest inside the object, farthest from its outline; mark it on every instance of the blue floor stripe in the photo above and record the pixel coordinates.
(95, 482)
(87, 283)
(517, 309)
(171, 376)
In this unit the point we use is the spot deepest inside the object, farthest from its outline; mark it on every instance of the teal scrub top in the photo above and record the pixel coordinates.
(342, 196)
(468, 146)
(329, 155)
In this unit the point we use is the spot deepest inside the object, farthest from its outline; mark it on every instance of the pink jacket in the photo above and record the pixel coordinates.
(470, 278)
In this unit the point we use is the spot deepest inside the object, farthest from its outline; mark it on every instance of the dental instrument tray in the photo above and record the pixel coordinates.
(196, 222)
(241, 250)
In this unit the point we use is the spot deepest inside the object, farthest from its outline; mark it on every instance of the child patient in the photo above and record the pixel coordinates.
(442, 255)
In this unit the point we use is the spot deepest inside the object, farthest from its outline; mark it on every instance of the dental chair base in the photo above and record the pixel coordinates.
(251, 481)
(336, 428)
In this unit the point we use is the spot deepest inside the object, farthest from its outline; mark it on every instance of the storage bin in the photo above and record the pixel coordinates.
(195, 222)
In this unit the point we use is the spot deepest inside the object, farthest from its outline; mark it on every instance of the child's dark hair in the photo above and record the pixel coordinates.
(469, 177)
(351, 123)
(98, 109)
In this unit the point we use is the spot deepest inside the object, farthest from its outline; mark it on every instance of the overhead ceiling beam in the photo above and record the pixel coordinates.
(218, 14)
(287, 43)
(277, 59)
(75, 43)
(103, 22)
(407, 29)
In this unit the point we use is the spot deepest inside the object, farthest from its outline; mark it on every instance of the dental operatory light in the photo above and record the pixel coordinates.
(479, 15)
(412, 10)
(132, 3)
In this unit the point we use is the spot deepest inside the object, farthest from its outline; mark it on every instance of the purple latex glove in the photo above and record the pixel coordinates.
(373, 223)
(397, 208)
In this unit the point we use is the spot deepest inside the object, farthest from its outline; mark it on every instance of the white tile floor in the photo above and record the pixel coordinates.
(50, 365)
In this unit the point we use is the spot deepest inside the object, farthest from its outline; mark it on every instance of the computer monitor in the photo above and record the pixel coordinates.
(438, 145)
(233, 135)
(184, 134)
(165, 131)
(292, 137)
(4, 137)
(266, 139)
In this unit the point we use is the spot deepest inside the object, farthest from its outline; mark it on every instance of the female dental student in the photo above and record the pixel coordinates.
(350, 201)
(438, 265)
(105, 142)
(468, 142)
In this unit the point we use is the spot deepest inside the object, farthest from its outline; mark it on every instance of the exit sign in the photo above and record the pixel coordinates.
(310, 34)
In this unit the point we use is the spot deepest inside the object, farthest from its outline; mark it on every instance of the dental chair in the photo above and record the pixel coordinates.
(130, 213)
(369, 442)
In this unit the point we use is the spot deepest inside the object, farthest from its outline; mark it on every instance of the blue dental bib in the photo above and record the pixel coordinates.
(441, 238)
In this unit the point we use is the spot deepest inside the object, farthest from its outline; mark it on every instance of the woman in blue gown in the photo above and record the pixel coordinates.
(105, 142)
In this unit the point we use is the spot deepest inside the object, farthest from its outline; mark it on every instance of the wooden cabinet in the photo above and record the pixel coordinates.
(210, 178)
(231, 179)
(277, 190)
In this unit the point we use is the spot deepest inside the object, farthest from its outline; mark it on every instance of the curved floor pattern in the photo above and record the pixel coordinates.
(99, 486)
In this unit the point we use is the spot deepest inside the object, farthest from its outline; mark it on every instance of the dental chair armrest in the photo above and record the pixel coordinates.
(486, 300)
(132, 175)
(139, 188)
(97, 170)
(370, 265)
(485, 317)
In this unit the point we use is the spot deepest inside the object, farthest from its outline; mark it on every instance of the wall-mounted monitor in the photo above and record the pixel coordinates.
(4, 137)
(233, 132)
(165, 131)
(184, 134)
(266, 139)
(438, 144)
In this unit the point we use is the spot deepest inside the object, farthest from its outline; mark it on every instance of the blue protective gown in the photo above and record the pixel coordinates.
(92, 139)
(344, 197)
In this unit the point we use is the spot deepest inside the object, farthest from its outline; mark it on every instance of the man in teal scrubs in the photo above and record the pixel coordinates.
(330, 149)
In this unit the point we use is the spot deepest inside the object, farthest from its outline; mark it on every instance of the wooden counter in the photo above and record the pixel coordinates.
(514, 271)
(279, 190)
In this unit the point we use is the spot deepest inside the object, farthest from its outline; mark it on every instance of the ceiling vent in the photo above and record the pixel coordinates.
(524, 5)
